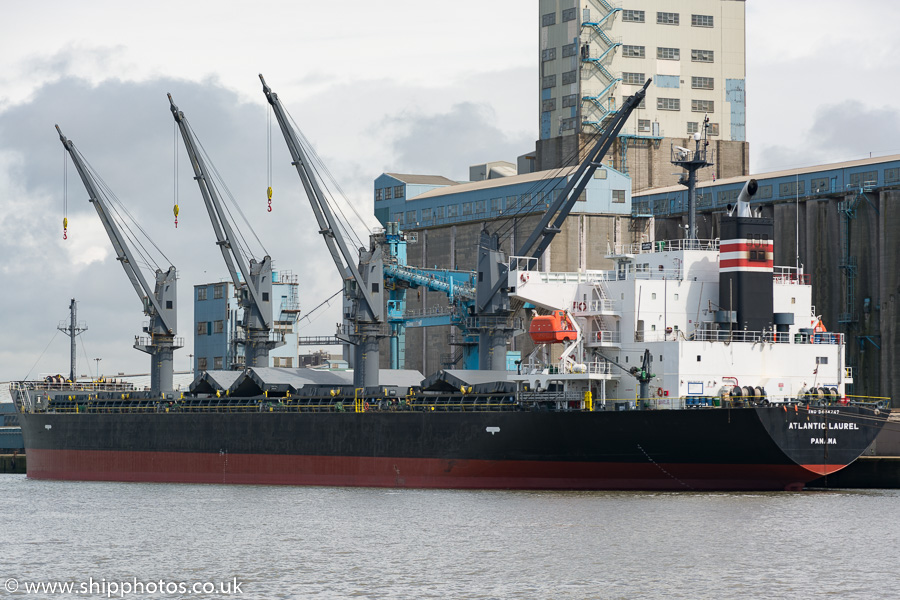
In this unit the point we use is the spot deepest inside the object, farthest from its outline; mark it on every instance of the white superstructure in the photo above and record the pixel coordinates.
(664, 297)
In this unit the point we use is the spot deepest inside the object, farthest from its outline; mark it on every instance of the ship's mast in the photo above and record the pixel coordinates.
(692, 161)
(159, 303)
(72, 329)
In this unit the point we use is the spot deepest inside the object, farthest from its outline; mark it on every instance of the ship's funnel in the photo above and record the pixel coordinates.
(746, 252)
(743, 200)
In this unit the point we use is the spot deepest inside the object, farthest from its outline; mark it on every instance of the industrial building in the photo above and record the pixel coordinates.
(593, 55)
(417, 201)
(218, 334)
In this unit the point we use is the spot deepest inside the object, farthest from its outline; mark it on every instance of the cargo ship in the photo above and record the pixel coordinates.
(691, 365)
(638, 396)
(449, 443)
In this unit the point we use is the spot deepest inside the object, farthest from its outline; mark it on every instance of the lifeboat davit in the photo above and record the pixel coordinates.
(552, 328)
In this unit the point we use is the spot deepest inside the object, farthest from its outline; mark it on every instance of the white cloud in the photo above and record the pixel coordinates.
(798, 67)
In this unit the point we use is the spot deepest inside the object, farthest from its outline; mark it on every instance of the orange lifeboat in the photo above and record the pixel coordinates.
(552, 328)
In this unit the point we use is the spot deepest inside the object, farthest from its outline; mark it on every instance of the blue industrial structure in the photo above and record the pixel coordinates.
(459, 287)
(445, 202)
(776, 187)
(218, 337)
(10, 432)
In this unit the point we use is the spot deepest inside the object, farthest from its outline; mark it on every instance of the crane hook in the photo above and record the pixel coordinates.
(65, 228)
(269, 193)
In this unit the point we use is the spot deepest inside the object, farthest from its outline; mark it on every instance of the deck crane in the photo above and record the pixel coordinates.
(363, 273)
(492, 288)
(252, 280)
(160, 303)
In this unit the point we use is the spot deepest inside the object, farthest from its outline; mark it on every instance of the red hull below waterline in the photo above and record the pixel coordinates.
(189, 467)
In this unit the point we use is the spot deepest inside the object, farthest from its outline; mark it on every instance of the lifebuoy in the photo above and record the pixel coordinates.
(659, 391)
(524, 277)
(367, 405)
(582, 306)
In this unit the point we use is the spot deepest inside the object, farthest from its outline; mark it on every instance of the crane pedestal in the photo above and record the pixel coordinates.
(493, 334)
(260, 343)
(161, 349)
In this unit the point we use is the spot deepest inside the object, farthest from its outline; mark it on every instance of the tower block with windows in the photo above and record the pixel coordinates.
(593, 55)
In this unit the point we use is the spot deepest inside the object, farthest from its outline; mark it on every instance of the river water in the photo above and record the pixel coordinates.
(308, 542)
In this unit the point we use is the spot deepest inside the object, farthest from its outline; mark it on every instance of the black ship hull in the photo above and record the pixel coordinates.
(752, 448)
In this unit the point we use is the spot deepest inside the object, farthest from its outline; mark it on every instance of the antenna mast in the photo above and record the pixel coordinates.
(692, 161)
(72, 329)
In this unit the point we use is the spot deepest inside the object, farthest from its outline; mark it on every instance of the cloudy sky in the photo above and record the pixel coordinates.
(405, 86)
